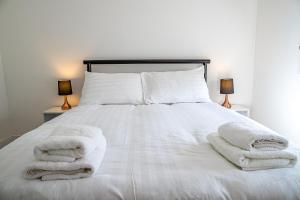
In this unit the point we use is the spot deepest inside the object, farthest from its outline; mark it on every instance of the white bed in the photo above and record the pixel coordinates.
(154, 152)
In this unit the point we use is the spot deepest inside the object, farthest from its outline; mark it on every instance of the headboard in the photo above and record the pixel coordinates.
(204, 62)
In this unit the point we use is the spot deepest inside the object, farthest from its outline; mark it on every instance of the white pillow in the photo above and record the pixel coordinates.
(114, 88)
(175, 87)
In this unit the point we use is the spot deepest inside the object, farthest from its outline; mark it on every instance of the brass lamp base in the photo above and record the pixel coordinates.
(66, 105)
(226, 103)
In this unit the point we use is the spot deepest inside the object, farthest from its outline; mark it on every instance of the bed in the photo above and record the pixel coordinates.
(156, 151)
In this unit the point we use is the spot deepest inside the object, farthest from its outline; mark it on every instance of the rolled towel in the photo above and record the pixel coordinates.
(252, 160)
(81, 168)
(66, 143)
(252, 136)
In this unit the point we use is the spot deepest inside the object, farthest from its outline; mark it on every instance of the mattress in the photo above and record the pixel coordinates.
(154, 152)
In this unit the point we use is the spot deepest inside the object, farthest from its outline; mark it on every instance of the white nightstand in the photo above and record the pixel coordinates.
(52, 113)
(241, 109)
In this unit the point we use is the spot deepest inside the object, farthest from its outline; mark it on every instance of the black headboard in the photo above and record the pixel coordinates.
(89, 63)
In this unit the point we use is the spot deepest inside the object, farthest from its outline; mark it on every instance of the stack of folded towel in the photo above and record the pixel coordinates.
(251, 146)
(70, 152)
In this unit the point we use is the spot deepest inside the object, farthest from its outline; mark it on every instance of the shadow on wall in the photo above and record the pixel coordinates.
(6, 129)
(2, 2)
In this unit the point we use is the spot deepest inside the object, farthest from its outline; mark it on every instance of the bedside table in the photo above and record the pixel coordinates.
(52, 113)
(241, 110)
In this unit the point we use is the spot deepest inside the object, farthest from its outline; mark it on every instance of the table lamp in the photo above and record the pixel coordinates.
(65, 89)
(226, 87)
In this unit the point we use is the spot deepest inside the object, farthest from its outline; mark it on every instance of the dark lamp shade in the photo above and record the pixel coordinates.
(64, 88)
(226, 86)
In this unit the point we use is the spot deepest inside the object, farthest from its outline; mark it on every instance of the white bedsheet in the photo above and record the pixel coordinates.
(153, 152)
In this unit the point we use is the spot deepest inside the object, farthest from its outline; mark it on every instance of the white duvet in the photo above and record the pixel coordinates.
(153, 152)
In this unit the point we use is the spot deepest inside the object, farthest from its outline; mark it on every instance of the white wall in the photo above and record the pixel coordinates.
(3, 95)
(43, 41)
(276, 100)
(5, 126)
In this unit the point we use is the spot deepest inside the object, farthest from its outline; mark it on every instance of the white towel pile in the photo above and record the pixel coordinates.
(70, 152)
(252, 147)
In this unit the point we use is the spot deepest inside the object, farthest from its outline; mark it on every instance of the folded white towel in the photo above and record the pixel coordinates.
(81, 168)
(67, 143)
(252, 136)
(252, 160)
